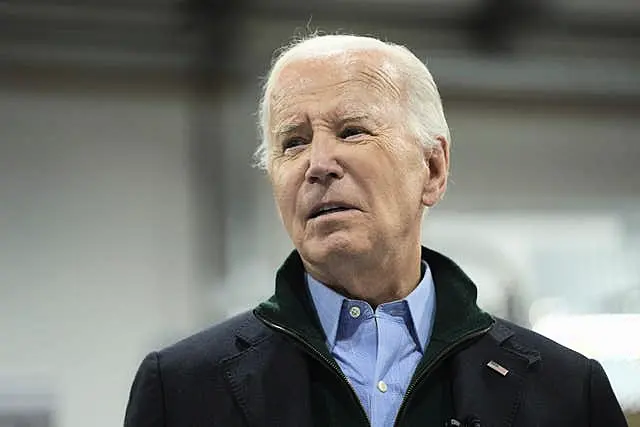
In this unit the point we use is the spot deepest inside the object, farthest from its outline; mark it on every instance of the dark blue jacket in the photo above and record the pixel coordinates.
(270, 367)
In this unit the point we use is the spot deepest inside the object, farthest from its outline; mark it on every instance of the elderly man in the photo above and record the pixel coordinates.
(366, 326)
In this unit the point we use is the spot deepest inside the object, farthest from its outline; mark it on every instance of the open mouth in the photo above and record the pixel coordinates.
(327, 210)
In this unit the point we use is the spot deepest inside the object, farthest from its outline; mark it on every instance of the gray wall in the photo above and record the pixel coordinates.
(96, 247)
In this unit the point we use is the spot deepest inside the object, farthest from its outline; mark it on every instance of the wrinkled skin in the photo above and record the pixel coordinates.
(337, 136)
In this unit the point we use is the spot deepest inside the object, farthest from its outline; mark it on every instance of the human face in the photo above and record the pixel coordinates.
(347, 178)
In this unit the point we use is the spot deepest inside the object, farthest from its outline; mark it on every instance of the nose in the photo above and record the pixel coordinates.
(324, 165)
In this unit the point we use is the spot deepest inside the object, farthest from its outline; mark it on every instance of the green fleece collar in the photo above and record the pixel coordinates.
(457, 313)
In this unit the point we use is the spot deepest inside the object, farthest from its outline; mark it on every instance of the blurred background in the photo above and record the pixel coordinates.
(130, 215)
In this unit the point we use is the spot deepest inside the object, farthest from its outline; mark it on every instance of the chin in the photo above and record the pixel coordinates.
(334, 247)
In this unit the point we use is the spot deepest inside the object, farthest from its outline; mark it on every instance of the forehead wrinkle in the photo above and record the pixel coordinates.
(381, 82)
(378, 70)
(368, 71)
(288, 95)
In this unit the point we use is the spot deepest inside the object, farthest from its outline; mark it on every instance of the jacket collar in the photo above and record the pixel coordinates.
(478, 390)
(457, 314)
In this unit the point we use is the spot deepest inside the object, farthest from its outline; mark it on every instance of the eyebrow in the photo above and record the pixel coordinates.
(346, 118)
(339, 119)
(288, 128)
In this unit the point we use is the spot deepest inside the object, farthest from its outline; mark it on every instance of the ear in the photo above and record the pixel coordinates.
(437, 162)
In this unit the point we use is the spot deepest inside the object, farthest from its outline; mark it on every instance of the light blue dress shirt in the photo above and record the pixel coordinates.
(378, 350)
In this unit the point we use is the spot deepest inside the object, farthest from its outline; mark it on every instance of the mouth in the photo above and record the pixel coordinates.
(328, 209)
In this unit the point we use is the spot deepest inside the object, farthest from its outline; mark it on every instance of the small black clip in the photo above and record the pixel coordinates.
(472, 422)
(468, 422)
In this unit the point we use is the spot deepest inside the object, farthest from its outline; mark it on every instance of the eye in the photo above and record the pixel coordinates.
(292, 143)
(352, 131)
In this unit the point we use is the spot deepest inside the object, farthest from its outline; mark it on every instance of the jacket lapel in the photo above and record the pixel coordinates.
(269, 380)
(489, 378)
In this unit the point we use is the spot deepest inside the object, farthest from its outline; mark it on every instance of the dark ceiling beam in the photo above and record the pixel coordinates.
(227, 39)
(24, 16)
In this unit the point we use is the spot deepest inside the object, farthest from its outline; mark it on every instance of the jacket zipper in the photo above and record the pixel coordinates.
(321, 358)
(436, 361)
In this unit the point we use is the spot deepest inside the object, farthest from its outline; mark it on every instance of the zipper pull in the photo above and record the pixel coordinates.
(469, 422)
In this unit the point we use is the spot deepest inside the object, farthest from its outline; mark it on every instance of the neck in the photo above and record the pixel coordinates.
(377, 280)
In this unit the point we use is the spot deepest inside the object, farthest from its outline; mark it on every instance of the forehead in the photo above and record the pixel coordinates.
(345, 83)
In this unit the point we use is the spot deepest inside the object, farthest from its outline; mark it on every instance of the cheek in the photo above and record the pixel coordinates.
(398, 171)
(284, 191)
(403, 183)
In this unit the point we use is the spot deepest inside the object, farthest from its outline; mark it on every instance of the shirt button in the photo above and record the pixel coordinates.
(382, 386)
(354, 312)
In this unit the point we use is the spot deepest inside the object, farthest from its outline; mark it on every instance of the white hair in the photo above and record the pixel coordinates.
(426, 120)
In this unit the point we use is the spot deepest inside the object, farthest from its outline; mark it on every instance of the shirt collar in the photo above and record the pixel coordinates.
(422, 306)
(328, 304)
(421, 303)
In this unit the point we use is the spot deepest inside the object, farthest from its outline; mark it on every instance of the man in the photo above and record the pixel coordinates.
(366, 326)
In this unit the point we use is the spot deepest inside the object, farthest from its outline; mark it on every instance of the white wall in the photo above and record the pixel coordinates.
(96, 262)
(543, 156)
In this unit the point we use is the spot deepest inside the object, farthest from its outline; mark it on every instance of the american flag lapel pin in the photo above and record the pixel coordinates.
(498, 368)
